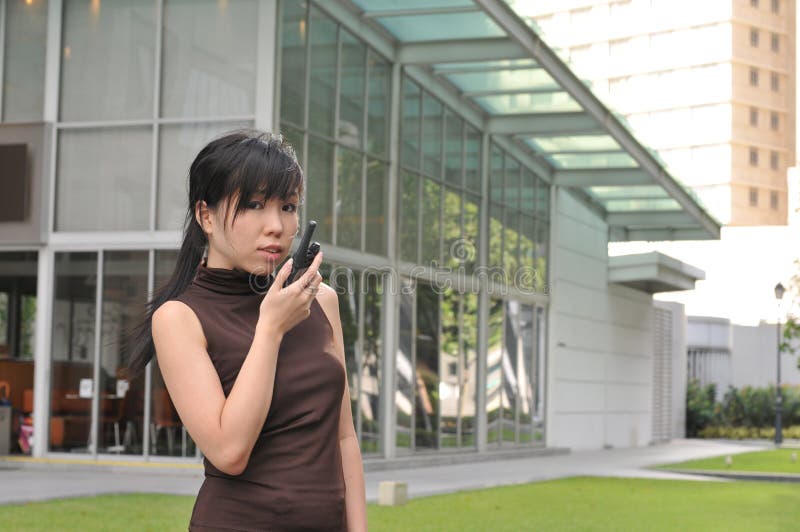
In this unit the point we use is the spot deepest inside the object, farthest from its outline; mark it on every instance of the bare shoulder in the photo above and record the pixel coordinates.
(329, 301)
(175, 318)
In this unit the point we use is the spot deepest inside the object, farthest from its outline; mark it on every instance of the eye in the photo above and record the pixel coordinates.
(290, 207)
(255, 205)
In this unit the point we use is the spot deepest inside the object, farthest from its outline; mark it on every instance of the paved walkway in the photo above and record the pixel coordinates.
(23, 482)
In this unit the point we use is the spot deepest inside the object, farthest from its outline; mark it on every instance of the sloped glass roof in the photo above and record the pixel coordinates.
(485, 54)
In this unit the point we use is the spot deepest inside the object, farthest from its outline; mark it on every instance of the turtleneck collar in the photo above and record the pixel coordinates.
(232, 281)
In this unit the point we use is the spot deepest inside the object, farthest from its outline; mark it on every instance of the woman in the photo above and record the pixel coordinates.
(256, 371)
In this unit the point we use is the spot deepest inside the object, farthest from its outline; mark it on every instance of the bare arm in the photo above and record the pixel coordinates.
(352, 464)
(226, 429)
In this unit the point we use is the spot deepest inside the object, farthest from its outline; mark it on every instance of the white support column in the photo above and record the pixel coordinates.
(483, 298)
(552, 317)
(266, 64)
(94, 431)
(391, 289)
(42, 350)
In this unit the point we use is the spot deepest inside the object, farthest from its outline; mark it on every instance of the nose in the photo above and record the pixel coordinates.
(273, 222)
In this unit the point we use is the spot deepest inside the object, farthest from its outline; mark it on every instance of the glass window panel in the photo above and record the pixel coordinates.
(472, 207)
(179, 145)
(436, 27)
(543, 199)
(409, 218)
(371, 365)
(377, 207)
(295, 137)
(496, 175)
(427, 369)
(209, 60)
(380, 78)
(527, 193)
(527, 382)
(24, 61)
(574, 143)
(124, 294)
(472, 162)
(505, 80)
(293, 62)
(431, 203)
(540, 375)
(512, 183)
(542, 255)
(628, 192)
(103, 179)
(598, 160)
(431, 136)
(454, 251)
(114, 47)
(511, 241)
(72, 350)
(527, 252)
(351, 87)
(494, 372)
(667, 204)
(373, 6)
(411, 124)
(550, 102)
(348, 199)
(500, 64)
(511, 355)
(319, 183)
(453, 149)
(347, 286)
(322, 99)
(450, 364)
(404, 397)
(495, 235)
(469, 372)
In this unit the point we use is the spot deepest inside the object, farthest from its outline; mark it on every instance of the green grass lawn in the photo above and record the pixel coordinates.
(773, 461)
(570, 504)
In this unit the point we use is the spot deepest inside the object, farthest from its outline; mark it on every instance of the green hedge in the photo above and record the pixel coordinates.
(748, 412)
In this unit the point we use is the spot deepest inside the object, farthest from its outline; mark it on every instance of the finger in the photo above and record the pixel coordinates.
(312, 269)
(283, 273)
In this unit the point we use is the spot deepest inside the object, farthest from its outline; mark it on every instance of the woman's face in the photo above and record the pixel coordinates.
(259, 238)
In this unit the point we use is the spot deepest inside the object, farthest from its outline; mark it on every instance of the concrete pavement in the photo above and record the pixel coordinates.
(30, 481)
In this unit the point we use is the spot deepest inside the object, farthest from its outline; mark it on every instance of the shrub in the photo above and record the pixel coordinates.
(699, 406)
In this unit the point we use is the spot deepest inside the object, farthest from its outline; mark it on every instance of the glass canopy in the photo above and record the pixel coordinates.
(483, 53)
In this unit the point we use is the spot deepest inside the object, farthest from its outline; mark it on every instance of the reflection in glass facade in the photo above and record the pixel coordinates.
(360, 308)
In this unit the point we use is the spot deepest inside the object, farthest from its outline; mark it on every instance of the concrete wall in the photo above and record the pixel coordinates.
(600, 357)
(754, 357)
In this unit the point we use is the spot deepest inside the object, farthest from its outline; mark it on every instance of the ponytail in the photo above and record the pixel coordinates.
(140, 339)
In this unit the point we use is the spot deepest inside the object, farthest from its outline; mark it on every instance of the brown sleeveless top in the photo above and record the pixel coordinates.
(294, 479)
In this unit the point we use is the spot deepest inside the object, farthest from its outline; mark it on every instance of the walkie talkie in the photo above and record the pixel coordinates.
(305, 253)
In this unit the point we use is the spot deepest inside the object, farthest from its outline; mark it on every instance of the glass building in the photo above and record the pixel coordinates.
(439, 139)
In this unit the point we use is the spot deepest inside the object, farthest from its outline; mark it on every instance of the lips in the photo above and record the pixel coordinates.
(271, 252)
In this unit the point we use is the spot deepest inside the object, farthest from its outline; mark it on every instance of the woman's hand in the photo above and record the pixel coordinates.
(283, 308)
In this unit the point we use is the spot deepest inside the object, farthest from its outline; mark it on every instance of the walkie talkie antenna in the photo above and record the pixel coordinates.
(300, 259)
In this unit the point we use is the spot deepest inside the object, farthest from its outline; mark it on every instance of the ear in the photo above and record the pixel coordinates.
(203, 216)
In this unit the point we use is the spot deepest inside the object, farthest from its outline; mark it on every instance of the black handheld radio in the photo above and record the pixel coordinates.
(305, 253)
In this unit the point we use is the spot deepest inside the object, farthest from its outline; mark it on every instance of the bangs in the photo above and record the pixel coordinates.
(264, 169)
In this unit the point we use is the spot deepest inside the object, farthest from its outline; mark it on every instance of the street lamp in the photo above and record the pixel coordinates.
(779, 290)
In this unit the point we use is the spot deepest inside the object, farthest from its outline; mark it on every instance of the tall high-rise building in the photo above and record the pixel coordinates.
(709, 84)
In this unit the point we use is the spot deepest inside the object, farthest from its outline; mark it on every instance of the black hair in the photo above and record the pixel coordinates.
(243, 162)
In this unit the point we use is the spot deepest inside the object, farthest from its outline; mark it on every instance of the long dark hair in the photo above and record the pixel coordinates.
(244, 162)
